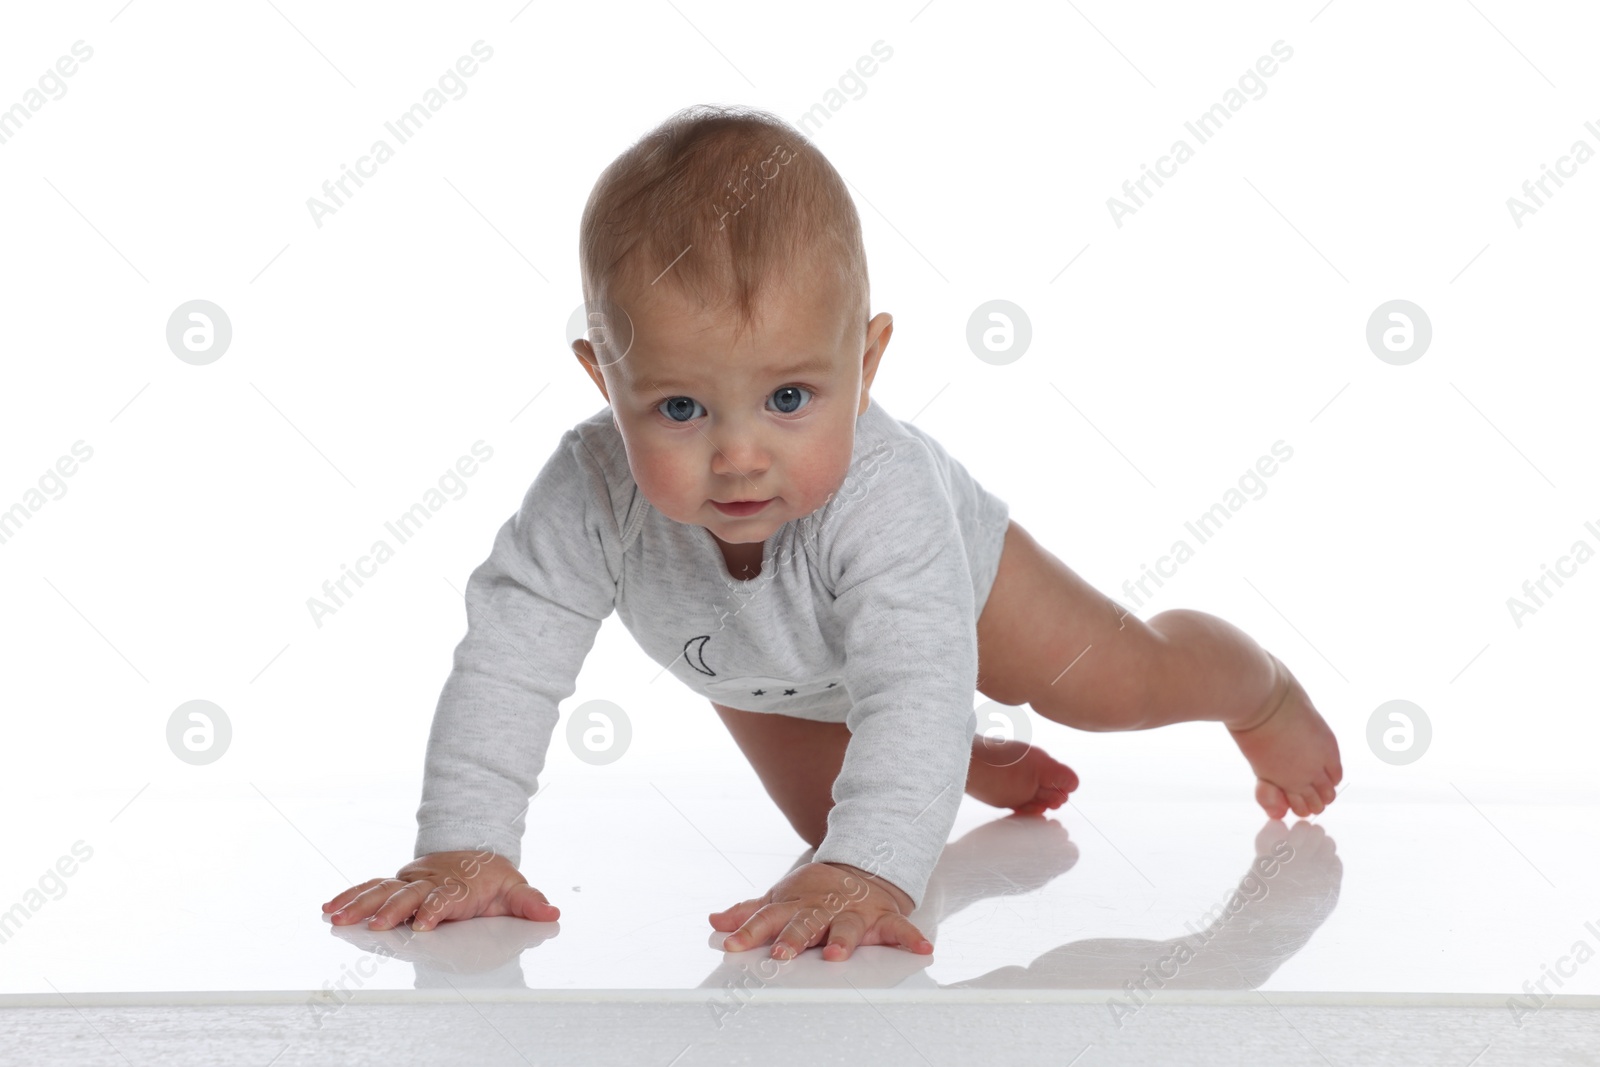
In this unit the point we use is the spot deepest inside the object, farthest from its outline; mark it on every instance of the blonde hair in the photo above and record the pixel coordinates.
(723, 203)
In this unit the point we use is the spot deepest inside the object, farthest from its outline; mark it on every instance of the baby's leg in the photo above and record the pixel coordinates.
(1048, 639)
(797, 761)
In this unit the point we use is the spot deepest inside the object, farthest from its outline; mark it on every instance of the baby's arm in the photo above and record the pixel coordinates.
(533, 610)
(904, 602)
(904, 609)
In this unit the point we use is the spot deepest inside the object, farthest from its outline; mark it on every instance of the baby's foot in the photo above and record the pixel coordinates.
(1014, 774)
(1292, 750)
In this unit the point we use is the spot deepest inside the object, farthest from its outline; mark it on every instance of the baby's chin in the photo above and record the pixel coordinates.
(752, 529)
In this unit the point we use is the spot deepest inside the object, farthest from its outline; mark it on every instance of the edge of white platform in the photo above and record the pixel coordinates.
(852, 994)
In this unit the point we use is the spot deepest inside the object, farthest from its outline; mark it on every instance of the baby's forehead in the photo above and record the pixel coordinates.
(777, 301)
(783, 321)
(650, 372)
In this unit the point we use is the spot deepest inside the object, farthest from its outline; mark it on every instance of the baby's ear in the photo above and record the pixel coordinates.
(584, 351)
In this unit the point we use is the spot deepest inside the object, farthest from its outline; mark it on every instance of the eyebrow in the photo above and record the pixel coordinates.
(810, 366)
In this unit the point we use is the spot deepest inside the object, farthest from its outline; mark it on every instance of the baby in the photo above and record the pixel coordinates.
(824, 573)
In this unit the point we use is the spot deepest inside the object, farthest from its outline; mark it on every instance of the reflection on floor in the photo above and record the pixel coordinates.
(1285, 894)
(1125, 899)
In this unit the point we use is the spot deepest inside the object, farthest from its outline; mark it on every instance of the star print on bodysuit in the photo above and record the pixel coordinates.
(694, 653)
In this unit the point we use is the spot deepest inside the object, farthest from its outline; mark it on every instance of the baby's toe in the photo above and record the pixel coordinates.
(1060, 777)
(1297, 804)
(1271, 799)
(1047, 799)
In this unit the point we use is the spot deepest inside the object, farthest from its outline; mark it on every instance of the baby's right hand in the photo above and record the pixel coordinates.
(441, 886)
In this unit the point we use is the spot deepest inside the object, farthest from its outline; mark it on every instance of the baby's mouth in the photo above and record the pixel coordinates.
(741, 508)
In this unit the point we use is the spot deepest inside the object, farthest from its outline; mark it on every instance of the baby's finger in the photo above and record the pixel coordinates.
(363, 904)
(401, 906)
(844, 936)
(901, 931)
(448, 901)
(350, 894)
(526, 902)
(734, 917)
(805, 928)
(758, 928)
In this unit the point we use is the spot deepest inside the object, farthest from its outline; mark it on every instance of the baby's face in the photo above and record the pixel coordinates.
(708, 419)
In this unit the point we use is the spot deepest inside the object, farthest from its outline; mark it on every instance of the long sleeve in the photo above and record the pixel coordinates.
(533, 610)
(904, 604)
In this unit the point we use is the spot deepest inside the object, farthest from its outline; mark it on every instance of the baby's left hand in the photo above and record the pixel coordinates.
(814, 899)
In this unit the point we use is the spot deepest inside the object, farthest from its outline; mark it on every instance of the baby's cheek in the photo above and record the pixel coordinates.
(665, 483)
(820, 475)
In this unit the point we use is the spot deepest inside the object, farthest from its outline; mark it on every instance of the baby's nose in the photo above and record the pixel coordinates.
(740, 453)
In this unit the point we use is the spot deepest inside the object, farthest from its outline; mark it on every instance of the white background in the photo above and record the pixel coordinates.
(1168, 354)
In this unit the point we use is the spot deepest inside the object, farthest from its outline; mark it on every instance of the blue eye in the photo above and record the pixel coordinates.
(681, 409)
(676, 403)
(787, 392)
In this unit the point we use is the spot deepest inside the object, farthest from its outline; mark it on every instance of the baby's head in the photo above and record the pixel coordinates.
(726, 283)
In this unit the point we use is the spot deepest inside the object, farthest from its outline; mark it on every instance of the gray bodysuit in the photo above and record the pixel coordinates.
(865, 612)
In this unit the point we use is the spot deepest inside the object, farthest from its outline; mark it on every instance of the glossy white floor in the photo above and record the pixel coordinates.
(1435, 896)
(1386, 894)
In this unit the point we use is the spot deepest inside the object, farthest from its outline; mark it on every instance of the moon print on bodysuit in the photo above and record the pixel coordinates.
(694, 653)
